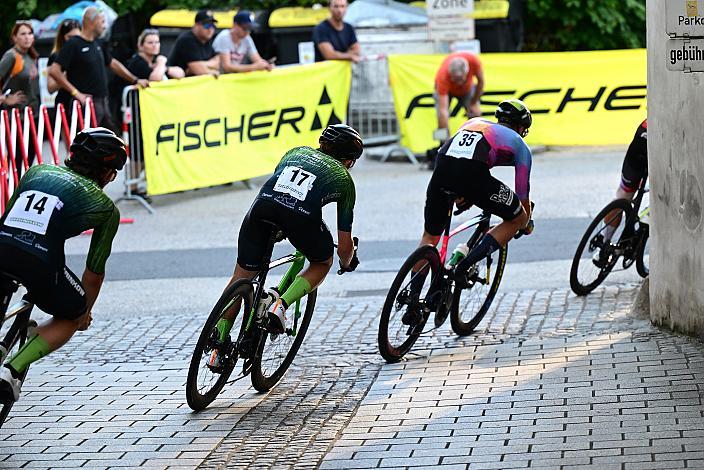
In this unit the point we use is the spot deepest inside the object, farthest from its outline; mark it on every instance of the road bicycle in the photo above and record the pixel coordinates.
(466, 306)
(619, 230)
(265, 356)
(21, 328)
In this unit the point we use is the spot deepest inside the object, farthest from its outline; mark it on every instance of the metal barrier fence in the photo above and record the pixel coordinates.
(371, 108)
(135, 176)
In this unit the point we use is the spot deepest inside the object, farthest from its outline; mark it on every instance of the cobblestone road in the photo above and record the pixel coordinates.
(549, 380)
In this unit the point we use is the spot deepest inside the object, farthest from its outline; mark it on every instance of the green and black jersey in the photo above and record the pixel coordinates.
(52, 204)
(305, 180)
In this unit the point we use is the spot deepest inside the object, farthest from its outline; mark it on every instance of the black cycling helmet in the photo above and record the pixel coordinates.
(342, 141)
(514, 113)
(100, 147)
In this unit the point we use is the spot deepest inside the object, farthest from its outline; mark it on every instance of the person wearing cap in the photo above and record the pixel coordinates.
(193, 50)
(236, 48)
(334, 39)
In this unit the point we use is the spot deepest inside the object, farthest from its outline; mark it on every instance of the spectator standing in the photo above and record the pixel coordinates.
(455, 78)
(67, 29)
(334, 39)
(85, 60)
(193, 50)
(236, 48)
(19, 75)
(147, 63)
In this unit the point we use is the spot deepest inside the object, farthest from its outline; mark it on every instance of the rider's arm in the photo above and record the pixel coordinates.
(523, 162)
(101, 243)
(91, 283)
(345, 214)
(345, 247)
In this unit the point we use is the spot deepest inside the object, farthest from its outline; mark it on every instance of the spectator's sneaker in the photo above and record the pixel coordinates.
(9, 386)
(278, 322)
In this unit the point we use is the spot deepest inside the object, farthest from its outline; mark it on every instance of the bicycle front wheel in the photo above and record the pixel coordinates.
(598, 251)
(215, 357)
(471, 304)
(276, 351)
(13, 347)
(404, 313)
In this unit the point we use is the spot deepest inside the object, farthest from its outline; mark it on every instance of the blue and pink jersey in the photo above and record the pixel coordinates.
(495, 145)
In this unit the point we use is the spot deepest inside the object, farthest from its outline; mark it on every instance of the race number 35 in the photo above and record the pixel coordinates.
(464, 144)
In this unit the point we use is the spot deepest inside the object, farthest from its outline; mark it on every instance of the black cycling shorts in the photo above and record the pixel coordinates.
(635, 164)
(57, 291)
(309, 235)
(471, 180)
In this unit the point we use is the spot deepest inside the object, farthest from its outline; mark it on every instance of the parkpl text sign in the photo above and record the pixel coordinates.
(685, 17)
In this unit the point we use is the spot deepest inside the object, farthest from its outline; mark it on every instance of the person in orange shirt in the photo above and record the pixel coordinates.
(455, 78)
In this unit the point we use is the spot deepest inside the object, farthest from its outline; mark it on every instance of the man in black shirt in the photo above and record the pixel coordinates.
(193, 50)
(84, 59)
(334, 39)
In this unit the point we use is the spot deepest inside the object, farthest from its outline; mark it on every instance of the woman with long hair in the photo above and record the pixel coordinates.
(19, 75)
(67, 29)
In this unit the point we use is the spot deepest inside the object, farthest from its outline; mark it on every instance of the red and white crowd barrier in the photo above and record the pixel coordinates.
(18, 129)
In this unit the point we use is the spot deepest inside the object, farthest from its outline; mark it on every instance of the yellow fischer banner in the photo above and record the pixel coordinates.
(577, 98)
(204, 131)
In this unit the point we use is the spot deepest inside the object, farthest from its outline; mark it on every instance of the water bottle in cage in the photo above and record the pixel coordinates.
(460, 252)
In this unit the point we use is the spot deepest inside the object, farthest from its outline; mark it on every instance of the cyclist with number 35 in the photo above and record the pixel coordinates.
(303, 182)
(50, 205)
(462, 176)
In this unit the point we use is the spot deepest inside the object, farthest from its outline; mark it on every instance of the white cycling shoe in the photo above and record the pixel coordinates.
(278, 320)
(9, 386)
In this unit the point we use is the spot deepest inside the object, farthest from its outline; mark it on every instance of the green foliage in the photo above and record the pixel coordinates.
(559, 25)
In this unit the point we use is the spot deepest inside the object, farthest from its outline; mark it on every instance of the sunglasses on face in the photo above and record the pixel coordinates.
(208, 25)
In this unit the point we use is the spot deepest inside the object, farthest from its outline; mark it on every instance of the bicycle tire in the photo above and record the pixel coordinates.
(582, 286)
(641, 266)
(485, 297)
(263, 381)
(19, 342)
(388, 351)
(197, 400)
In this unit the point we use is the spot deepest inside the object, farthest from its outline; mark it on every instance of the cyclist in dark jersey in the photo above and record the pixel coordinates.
(304, 181)
(50, 205)
(462, 175)
(633, 171)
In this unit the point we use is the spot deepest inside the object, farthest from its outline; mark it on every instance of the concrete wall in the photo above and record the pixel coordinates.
(676, 160)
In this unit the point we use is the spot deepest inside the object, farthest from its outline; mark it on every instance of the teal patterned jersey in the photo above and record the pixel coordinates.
(52, 204)
(306, 179)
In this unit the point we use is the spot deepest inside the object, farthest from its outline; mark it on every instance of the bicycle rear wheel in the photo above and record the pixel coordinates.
(594, 259)
(396, 337)
(13, 347)
(276, 351)
(471, 304)
(206, 379)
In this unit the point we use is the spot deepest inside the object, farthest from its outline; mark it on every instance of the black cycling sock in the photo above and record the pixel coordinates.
(486, 246)
(13, 372)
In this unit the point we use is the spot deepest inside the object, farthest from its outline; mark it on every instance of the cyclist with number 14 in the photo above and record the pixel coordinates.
(50, 205)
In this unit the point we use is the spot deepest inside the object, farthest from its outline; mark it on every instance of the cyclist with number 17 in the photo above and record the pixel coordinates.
(50, 205)
(292, 199)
